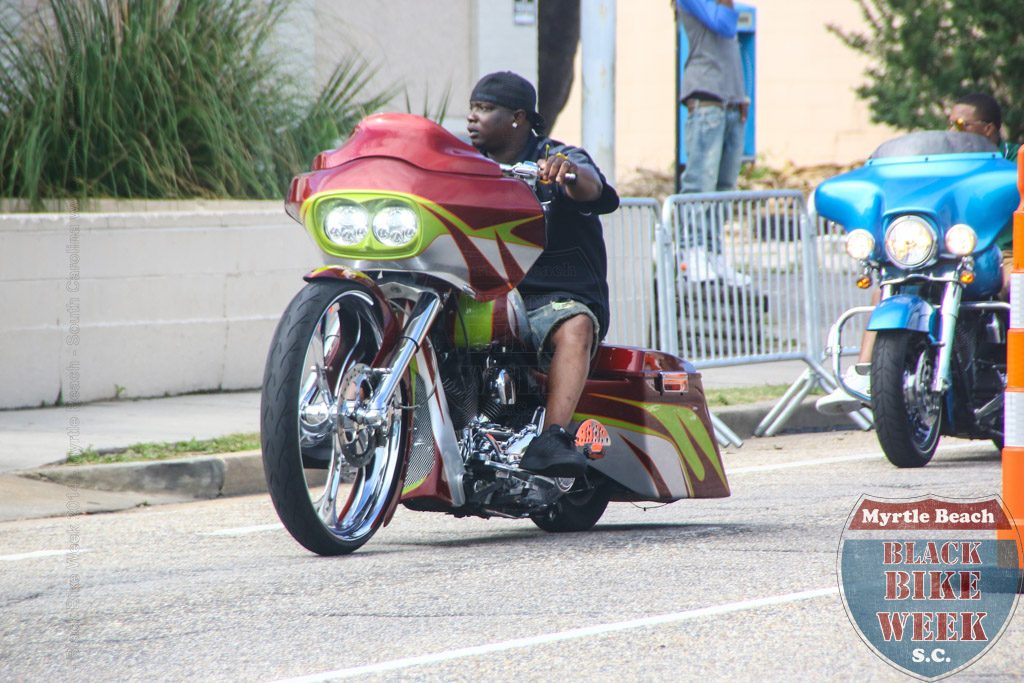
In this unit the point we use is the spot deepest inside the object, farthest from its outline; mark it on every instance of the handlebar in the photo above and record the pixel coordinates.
(528, 172)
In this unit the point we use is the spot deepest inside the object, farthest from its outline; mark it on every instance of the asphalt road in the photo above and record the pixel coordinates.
(736, 589)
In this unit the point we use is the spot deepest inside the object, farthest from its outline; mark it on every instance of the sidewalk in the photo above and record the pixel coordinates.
(31, 439)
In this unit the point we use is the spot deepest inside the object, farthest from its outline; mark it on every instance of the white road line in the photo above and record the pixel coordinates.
(573, 634)
(242, 530)
(39, 553)
(876, 455)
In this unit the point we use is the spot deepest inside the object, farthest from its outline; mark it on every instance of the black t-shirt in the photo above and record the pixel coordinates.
(574, 261)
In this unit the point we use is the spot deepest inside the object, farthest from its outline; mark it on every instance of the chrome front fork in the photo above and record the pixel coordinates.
(375, 411)
(948, 312)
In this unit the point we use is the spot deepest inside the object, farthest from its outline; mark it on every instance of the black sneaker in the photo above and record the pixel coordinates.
(554, 454)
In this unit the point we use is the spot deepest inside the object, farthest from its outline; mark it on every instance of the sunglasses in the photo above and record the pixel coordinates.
(961, 124)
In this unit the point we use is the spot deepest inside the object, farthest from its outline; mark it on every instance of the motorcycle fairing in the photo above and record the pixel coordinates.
(979, 189)
(488, 259)
(480, 231)
(413, 138)
(904, 312)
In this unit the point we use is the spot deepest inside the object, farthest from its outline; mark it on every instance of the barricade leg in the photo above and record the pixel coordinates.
(785, 406)
(723, 434)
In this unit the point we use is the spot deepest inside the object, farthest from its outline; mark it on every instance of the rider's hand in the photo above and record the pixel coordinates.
(556, 168)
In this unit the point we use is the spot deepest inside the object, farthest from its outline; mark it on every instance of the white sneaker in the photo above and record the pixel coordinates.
(729, 274)
(840, 402)
(697, 266)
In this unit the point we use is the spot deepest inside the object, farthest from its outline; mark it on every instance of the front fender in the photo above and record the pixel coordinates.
(391, 324)
(903, 312)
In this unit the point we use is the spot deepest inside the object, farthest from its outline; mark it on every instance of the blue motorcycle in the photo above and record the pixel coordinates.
(922, 216)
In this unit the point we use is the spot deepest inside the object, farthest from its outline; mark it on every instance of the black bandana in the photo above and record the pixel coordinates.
(511, 91)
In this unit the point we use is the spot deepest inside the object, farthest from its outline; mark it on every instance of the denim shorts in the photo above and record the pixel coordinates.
(547, 318)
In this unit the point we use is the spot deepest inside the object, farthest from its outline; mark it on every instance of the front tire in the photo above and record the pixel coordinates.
(908, 415)
(319, 358)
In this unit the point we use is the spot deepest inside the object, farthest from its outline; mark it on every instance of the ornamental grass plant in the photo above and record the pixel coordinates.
(161, 99)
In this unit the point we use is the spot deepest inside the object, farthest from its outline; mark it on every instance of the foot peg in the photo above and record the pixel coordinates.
(593, 438)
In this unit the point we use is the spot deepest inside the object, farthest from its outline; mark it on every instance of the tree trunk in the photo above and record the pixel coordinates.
(557, 36)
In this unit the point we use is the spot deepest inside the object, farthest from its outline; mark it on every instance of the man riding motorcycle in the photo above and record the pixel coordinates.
(566, 290)
(977, 113)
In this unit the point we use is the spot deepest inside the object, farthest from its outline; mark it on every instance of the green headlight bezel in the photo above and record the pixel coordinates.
(369, 248)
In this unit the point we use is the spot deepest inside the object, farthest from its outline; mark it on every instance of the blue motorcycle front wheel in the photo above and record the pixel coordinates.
(908, 414)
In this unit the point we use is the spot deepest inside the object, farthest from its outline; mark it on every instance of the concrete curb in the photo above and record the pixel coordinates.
(233, 474)
(743, 419)
(238, 474)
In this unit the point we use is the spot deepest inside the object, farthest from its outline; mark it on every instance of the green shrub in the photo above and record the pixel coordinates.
(926, 53)
(161, 99)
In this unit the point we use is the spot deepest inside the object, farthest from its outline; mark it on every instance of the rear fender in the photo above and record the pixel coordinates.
(904, 312)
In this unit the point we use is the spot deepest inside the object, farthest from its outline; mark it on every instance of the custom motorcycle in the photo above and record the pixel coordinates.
(923, 215)
(401, 374)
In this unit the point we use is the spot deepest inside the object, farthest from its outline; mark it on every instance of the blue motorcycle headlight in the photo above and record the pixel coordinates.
(910, 242)
(860, 244)
(961, 239)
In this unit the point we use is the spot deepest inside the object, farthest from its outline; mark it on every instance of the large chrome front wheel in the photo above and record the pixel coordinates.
(318, 373)
(908, 414)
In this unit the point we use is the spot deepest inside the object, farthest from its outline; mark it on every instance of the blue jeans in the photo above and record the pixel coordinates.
(714, 151)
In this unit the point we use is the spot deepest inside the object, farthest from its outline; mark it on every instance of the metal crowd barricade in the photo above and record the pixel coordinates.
(629, 235)
(748, 277)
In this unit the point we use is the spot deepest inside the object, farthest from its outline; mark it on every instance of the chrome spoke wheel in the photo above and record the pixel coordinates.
(332, 477)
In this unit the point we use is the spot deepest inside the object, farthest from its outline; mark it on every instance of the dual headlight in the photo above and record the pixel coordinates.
(394, 223)
(911, 242)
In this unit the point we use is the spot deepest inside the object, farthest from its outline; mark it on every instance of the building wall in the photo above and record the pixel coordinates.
(154, 298)
(807, 111)
(425, 49)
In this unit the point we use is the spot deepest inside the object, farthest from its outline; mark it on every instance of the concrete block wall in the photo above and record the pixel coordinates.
(143, 303)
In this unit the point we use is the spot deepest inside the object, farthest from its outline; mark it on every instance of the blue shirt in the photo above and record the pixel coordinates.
(719, 18)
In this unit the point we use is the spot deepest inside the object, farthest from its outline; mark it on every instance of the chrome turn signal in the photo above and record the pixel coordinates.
(864, 281)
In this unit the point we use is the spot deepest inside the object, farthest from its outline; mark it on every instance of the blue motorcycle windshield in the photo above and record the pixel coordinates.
(934, 142)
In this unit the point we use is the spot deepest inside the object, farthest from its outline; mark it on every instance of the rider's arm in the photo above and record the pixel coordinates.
(588, 188)
(718, 17)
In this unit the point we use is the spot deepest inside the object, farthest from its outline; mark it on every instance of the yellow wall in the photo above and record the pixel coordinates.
(807, 111)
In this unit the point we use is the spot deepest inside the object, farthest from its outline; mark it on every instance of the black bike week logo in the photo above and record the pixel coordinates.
(930, 583)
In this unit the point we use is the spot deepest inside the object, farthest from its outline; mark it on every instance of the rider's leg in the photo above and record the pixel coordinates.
(570, 365)
(565, 335)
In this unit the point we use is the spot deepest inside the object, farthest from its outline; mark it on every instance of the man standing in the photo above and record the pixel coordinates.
(717, 106)
(713, 93)
(566, 290)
